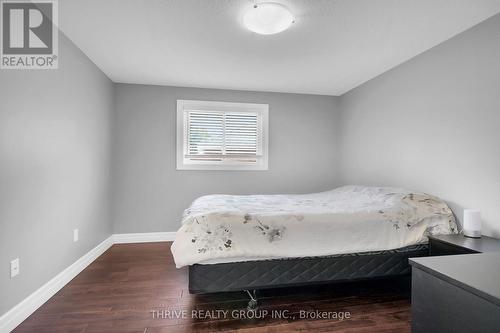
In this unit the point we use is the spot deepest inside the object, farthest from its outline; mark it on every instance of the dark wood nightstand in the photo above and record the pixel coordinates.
(442, 245)
(458, 294)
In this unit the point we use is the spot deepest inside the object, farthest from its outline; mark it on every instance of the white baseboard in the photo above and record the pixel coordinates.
(146, 237)
(30, 304)
(25, 308)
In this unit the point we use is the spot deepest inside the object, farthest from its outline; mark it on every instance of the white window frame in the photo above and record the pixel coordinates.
(183, 163)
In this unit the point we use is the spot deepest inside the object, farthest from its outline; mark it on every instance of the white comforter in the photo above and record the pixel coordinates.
(227, 228)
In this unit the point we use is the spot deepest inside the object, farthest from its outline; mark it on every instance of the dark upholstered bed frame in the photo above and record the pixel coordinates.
(276, 273)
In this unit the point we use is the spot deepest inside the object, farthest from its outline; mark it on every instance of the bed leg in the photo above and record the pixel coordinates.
(252, 304)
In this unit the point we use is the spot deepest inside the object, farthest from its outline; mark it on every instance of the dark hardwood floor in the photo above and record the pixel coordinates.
(131, 287)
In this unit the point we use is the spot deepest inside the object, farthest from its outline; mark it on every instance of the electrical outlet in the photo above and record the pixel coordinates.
(75, 235)
(14, 267)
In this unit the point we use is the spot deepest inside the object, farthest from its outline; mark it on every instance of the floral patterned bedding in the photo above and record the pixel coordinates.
(349, 219)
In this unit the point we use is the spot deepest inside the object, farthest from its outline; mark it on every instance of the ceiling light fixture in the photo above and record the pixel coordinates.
(268, 18)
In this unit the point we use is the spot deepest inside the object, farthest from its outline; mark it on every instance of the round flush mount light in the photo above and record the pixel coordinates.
(268, 18)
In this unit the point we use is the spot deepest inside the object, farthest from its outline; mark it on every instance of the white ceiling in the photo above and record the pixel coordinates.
(334, 46)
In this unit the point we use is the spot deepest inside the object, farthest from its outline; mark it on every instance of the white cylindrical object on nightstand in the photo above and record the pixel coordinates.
(472, 223)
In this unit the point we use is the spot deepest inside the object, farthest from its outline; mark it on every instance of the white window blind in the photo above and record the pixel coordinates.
(222, 135)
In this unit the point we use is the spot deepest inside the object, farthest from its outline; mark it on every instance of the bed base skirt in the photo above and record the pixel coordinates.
(278, 273)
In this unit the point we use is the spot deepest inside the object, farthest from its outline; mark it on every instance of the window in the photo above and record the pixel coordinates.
(221, 136)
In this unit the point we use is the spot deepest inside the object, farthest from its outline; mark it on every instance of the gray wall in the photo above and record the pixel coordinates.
(432, 124)
(54, 165)
(150, 195)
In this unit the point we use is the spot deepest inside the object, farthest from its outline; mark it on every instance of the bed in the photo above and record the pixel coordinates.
(253, 242)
